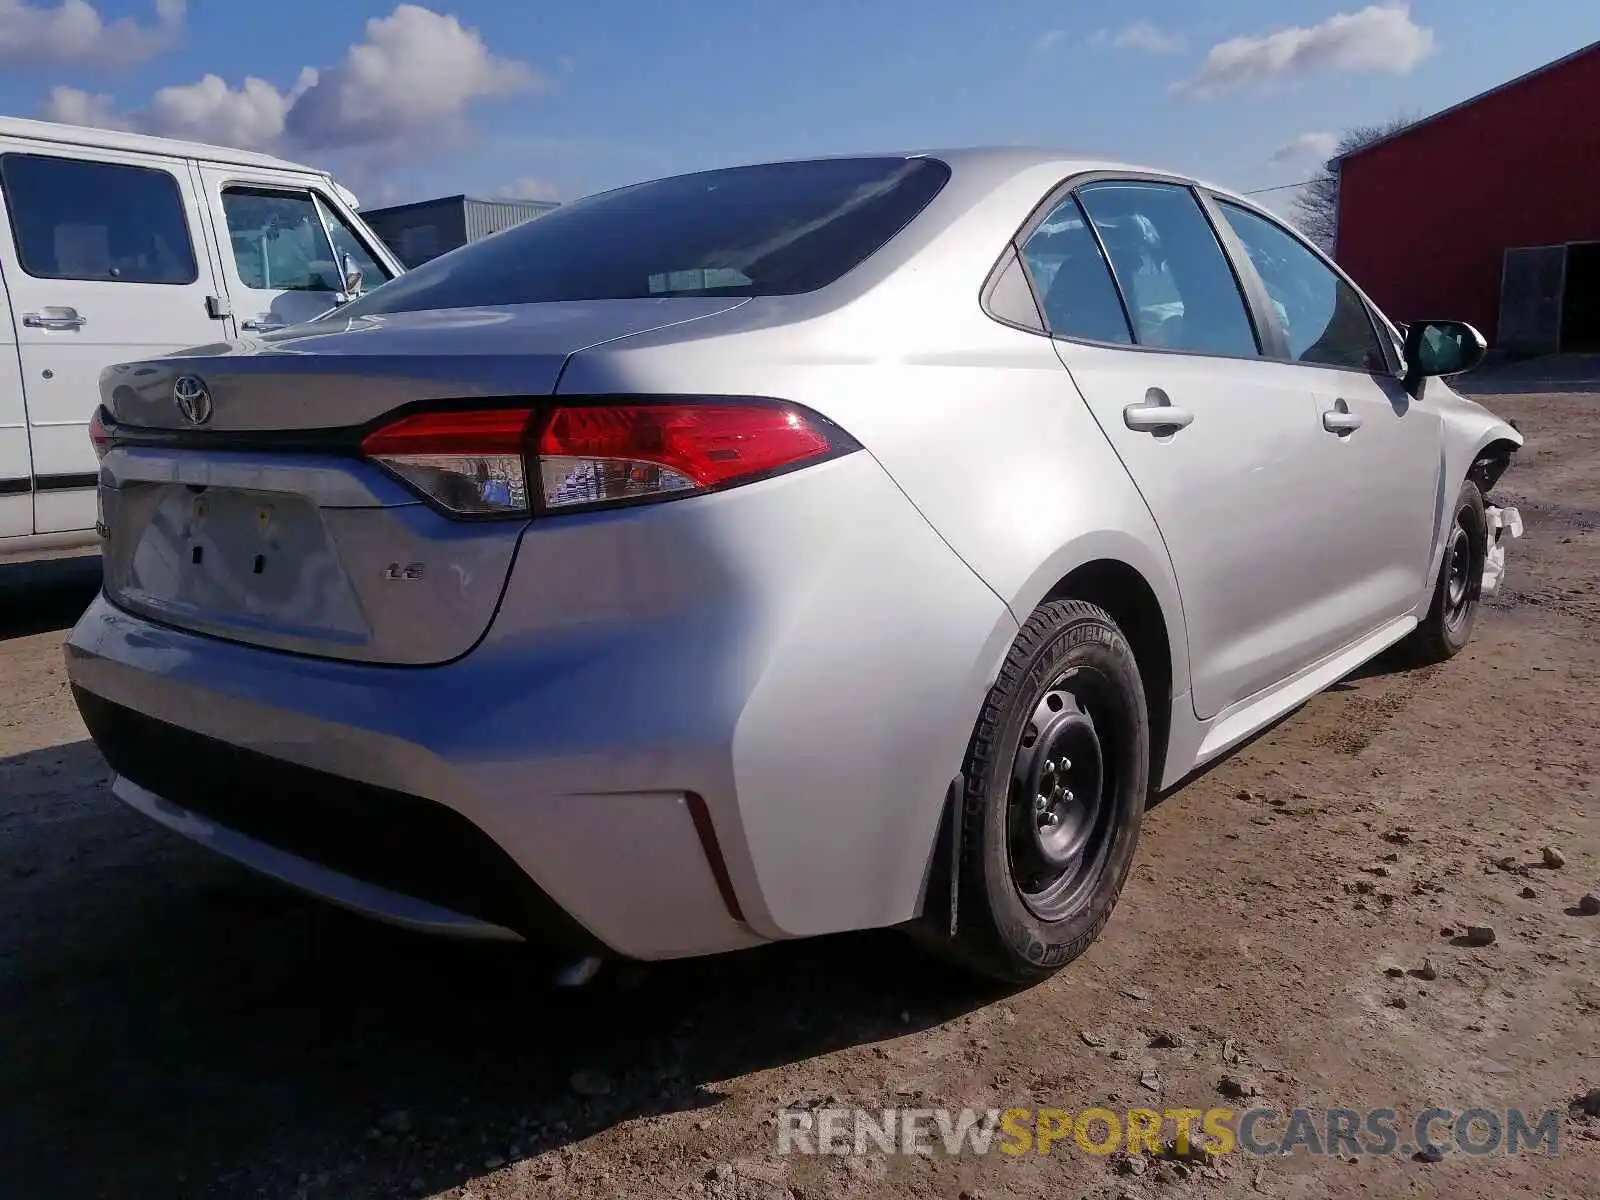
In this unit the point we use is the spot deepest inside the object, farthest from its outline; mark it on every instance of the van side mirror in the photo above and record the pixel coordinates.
(1438, 348)
(352, 276)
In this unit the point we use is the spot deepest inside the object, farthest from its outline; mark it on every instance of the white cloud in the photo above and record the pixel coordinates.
(531, 188)
(397, 94)
(417, 70)
(73, 33)
(1141, 35)
(251, 116)
(1316, 146)
(75, 107)
(1379, 38)
(1048, 38)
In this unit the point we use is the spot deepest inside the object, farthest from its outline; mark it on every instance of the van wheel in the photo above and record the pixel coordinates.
(1056, 781)
(1454, 611)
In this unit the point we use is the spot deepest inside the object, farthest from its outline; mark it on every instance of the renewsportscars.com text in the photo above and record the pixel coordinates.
(1260, 1132)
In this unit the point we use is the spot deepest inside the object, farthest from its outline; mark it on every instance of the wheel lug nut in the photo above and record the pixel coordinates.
(1049, 766)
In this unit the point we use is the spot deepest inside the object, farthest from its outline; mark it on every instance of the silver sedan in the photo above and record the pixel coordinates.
(775, 551)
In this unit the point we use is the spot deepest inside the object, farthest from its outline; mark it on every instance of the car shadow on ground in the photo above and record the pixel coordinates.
(39, 596)
(176, 1024)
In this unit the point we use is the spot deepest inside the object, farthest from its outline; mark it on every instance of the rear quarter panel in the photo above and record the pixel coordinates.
(977, 423)
(981, 430)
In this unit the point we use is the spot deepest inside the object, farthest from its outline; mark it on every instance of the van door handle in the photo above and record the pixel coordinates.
(54, 318)
(1156, 415)
(1339, 419)
(261, 325)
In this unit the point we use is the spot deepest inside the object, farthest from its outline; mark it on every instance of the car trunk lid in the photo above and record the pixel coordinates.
(259, 522)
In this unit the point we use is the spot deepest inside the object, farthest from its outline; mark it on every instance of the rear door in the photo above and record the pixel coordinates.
(281, 241)
(1215, 437)
(1380, 450)
(105, 262)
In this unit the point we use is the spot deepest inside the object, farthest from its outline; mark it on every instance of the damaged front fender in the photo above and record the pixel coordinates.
(1478, 446)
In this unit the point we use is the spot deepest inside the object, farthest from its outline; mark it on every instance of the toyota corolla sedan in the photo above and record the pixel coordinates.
(775, 551)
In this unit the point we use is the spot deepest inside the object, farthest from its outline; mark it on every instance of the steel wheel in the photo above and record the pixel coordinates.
(1059, 814)
(1458, 592)
(1052, 795)
(1453, 611)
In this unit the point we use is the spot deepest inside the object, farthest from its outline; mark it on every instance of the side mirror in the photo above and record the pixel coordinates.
(352, 276)
(1437, 348)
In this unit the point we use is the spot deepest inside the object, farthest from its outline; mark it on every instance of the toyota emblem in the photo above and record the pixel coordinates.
(193, 398)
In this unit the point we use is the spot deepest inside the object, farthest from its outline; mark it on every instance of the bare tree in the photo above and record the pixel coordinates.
(1316, 208)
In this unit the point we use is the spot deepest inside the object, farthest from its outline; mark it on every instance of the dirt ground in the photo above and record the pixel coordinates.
(174, 1026)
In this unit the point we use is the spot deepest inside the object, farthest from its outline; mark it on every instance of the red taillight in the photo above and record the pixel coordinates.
(486, 461)
(98, 437)
(466, 462)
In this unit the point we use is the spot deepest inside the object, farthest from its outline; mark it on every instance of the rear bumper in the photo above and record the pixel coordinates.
(691, 728)
(384, 853)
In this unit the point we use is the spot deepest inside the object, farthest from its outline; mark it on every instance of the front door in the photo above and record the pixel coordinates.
(1215, 438)
(105, 262)
(282, 246)
(1380, 452)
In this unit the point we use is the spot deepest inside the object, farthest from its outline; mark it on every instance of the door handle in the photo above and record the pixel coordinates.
(54, 318)
(261, 325)
(1156, 415)
(1339, 419)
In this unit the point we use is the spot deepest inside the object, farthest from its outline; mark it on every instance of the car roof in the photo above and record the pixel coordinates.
(117, 139)
(1004, 162)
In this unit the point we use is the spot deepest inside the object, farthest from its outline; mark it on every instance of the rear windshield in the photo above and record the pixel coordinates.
(771, 230)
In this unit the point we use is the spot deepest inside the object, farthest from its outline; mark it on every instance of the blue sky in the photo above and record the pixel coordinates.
(496, 97)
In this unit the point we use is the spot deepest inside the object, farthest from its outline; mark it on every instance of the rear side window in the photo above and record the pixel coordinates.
(1323, 318)
(107, 222)
(1180, 290)
(1074, 284)
(772, 230)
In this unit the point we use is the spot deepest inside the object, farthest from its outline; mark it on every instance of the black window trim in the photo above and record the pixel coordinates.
(1384, 339)
(158, 167)
(1009, 258)
(1256, 307)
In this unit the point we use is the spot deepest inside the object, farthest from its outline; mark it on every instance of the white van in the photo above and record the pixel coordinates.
(118, 246)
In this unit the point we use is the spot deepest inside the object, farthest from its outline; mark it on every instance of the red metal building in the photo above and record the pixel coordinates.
(1487, 212)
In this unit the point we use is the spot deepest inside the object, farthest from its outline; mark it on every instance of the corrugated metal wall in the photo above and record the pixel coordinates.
(484, 217)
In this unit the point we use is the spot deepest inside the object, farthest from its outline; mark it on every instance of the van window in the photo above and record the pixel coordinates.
(346, 241)
(75, 219)
(279, 242)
